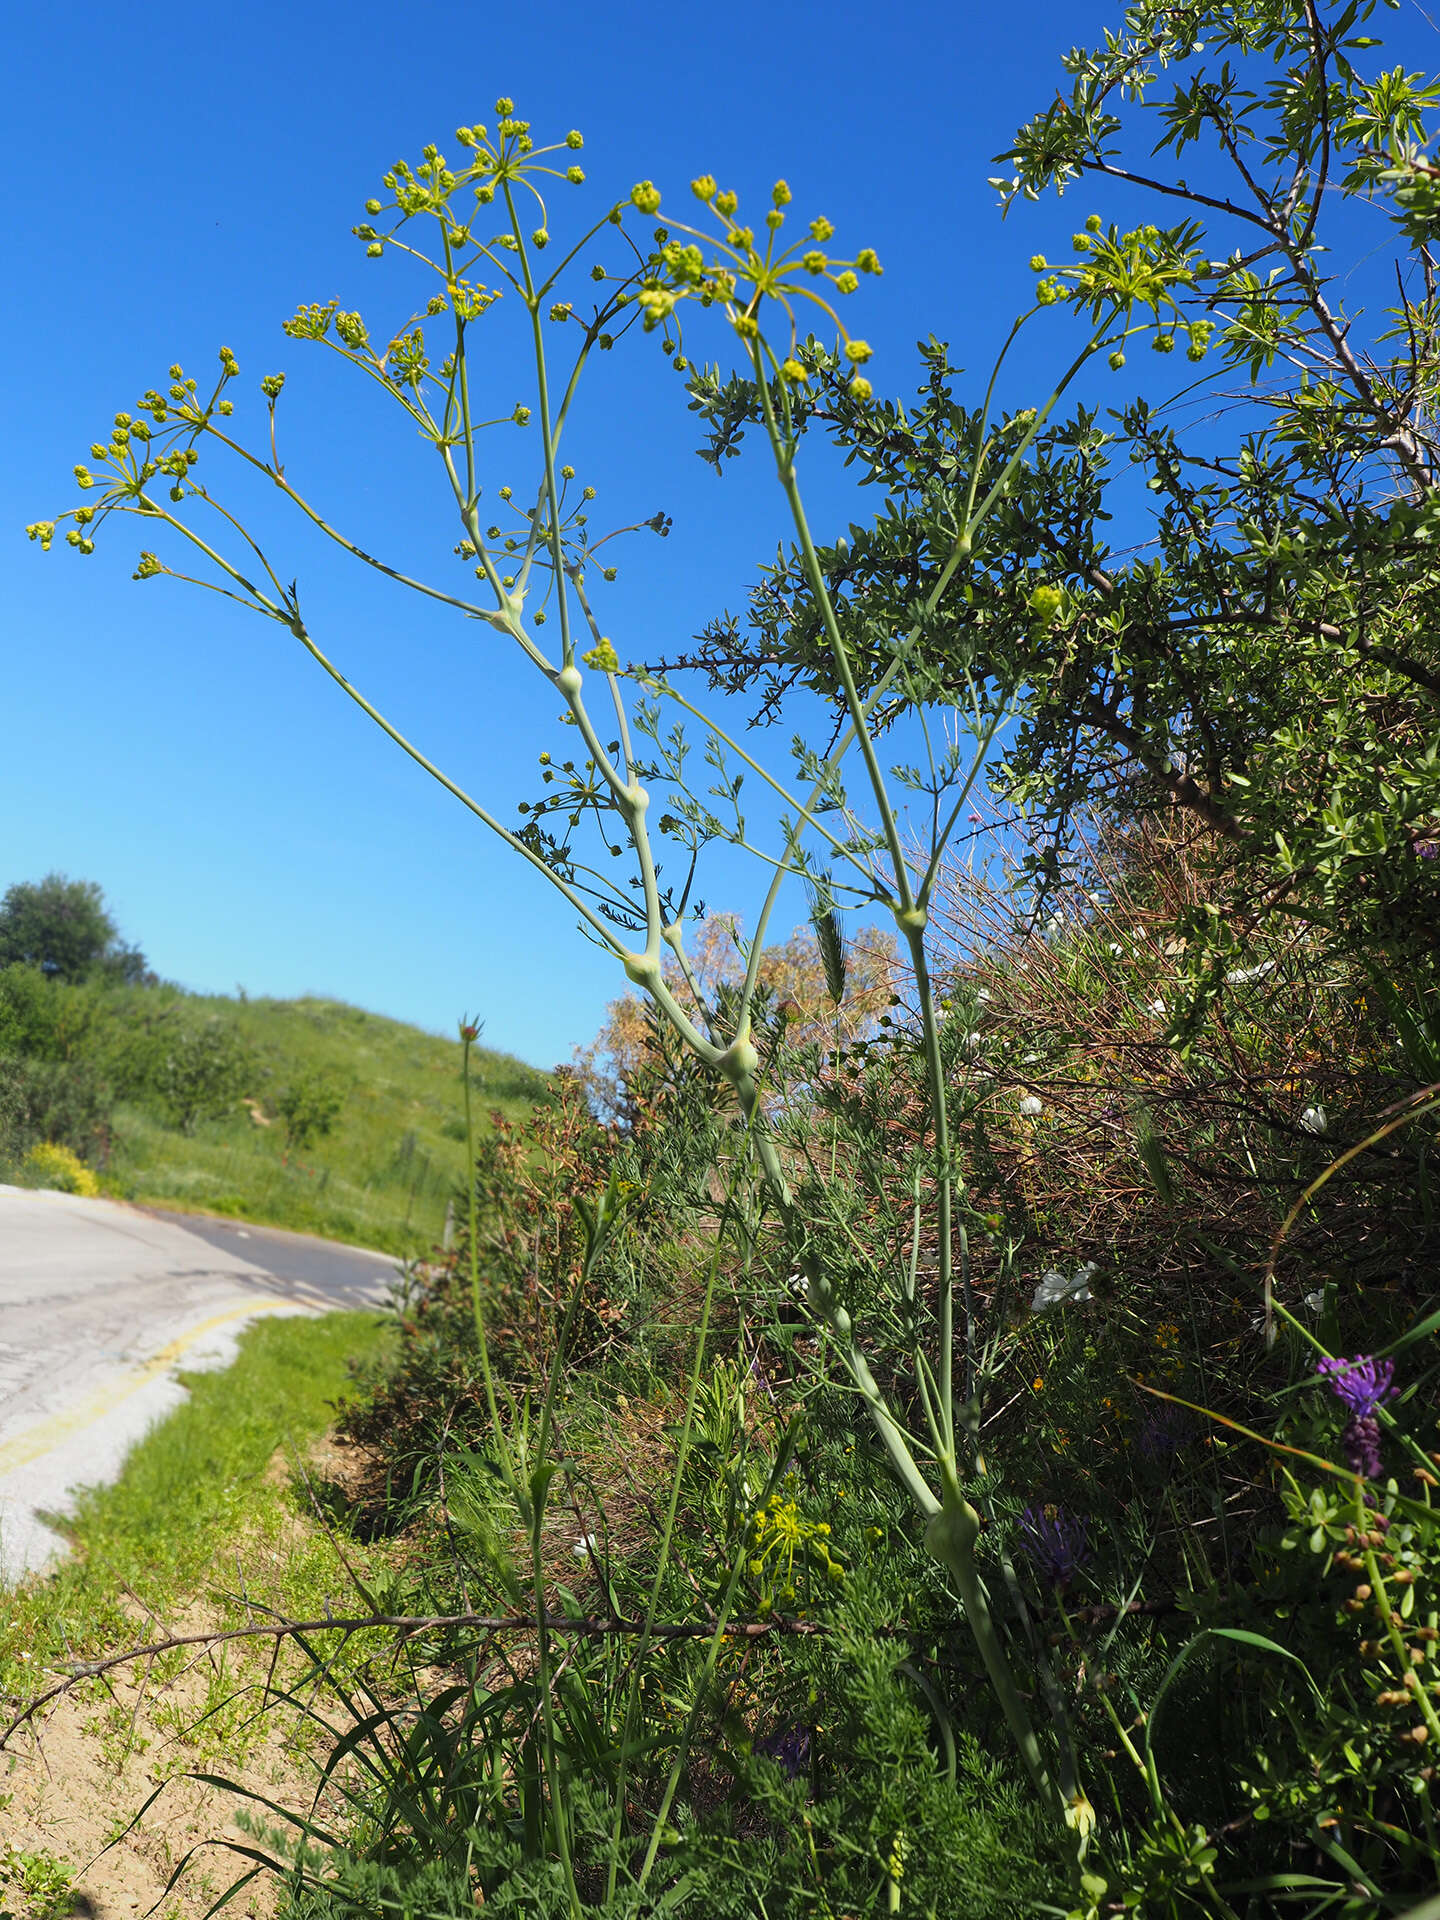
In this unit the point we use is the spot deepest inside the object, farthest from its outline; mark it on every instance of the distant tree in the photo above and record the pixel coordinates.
(65, 1102)
(204, 1073)
(123, 966)
(62, 927)
(309, 1108)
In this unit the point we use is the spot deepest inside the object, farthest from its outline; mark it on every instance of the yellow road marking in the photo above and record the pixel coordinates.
(46, 1435)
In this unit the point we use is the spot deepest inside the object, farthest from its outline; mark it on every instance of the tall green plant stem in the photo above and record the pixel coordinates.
(667, 1532)
(477, 1304)
(531, 1506)
(953, 1525)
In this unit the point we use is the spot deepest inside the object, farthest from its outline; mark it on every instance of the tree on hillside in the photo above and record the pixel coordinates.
(310, 1107)
(205, 1071)
(62, 927)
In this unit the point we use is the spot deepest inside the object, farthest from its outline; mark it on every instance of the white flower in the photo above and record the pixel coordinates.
(970, 1046)
(1032, 1106)
(1313, 1120)
(1157, 1006)
(585, 1546)
(1313, 1302)
(1054, 1287)
(1246, 976)
(984, 994)
(1116, 948)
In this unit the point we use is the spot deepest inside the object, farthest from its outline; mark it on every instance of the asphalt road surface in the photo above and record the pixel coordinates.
(100, 1305)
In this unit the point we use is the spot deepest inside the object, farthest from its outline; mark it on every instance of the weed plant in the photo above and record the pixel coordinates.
(882, 1645)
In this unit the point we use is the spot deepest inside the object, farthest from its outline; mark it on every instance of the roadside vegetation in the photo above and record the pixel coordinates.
(223, 1471)
(215, 1520)
(935, 1416)
(307, 1114)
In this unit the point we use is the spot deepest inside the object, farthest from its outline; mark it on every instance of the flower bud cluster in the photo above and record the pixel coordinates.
(493, 161)
(1117, 276)
(602, 657)
(405, 361)
(311, 322)
(468, 301)
(740, 273)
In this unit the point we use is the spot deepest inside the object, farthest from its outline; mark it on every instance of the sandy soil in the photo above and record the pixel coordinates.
(72, 1782)
(91, 1765)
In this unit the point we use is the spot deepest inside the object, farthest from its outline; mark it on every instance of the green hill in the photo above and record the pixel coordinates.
(297, 1113)
(381, 1178)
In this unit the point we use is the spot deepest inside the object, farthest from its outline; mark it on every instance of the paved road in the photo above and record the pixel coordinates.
(100, 1304)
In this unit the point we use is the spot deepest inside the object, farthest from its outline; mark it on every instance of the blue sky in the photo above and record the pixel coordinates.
(191, 174)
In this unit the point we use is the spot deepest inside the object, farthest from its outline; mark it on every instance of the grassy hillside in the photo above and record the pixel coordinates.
(381, 1178)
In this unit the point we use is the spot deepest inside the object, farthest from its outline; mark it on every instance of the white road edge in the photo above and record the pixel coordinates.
(100, 1305)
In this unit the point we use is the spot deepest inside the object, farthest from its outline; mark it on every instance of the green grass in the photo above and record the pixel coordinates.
(197, 1506)
(382, 1179)
(33, 1885)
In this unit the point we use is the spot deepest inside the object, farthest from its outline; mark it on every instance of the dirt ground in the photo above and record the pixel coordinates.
(73, 1781)
(78, 1780)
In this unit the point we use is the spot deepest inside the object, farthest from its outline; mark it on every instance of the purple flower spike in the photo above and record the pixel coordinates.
(789, 1747)
(1363, 1384)
(1167, 1430)
(1054, 1542)
(1360, 1443)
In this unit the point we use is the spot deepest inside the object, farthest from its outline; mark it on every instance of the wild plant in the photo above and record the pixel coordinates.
(490, 245)
(1005, 614)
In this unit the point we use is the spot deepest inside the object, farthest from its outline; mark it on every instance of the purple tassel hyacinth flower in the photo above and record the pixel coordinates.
(1055, 1544)
(789, 1747)
(1166, 1431)
(1362, 1386)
